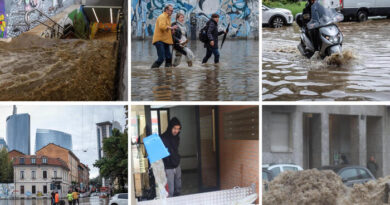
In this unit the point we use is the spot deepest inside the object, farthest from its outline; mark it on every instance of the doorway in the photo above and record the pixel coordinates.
(311, 140)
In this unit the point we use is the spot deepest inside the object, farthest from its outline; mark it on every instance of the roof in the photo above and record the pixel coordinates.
(104, 123)
(39, 161)
(71, 153)
(16, 152)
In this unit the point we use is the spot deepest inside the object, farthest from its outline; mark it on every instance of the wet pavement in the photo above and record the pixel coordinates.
(235, 78)
(83, 201)
(364, 75)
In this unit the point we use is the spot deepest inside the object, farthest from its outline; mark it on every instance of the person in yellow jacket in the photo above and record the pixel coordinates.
(162, 37)
(75, 195)
(70, 198)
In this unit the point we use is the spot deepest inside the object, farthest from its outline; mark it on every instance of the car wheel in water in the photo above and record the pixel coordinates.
(277, 22)
(362, 16)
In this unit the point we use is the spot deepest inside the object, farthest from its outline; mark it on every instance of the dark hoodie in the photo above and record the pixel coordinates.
(172, 143)
(212, 33)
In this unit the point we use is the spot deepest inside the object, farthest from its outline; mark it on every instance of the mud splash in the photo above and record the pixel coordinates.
(322, 187)
(33, 68)
(344, 59)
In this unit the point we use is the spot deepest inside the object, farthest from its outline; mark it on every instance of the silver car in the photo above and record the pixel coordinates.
(276, 17)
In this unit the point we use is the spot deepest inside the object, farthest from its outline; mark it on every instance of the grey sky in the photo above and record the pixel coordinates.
(77, 120)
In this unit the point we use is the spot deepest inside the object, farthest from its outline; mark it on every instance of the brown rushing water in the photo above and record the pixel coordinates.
(33, 68)
(363, 74)
(235, 78)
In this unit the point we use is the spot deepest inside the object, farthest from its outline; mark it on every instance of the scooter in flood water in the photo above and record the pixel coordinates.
(322, 26)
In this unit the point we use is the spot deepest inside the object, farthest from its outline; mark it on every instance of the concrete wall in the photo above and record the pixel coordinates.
(361, 131)
(242, 15)
(239, 159)
(15, 12)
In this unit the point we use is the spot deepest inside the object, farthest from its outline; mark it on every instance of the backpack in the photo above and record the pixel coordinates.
(203, 34)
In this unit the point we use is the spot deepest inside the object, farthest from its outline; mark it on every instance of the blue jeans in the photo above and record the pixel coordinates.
(209, 52)
(163, 52)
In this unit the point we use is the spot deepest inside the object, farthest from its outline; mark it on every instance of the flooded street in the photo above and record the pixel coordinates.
(235, 78)
(33, 68)
(83, 201)
(288, 76)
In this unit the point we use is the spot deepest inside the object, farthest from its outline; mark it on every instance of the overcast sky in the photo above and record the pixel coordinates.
(79, 121)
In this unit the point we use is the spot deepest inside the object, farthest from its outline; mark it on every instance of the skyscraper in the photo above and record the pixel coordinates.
(104, 130)
(46, 136)
(18, 132)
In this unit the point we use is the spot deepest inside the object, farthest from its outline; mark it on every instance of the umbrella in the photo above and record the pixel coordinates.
(224, 36)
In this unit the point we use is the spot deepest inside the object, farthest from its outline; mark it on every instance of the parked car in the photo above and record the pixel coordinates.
(267, 177)
(119, 199)
(276, 17)
(351, 174)
(361, 10)
(276, 169)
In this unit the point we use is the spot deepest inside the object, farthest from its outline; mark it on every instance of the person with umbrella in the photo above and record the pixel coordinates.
(212, 34)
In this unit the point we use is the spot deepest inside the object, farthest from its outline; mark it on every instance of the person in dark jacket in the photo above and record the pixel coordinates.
(171, 140)
(372, 166)
(307, 16)
(212, 35)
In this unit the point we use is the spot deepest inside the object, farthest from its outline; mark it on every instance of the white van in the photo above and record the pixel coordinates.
(360, 10)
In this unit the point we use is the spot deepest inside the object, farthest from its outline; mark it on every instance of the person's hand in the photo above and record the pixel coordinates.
(211, 43)
(226, 32)
(174, 27)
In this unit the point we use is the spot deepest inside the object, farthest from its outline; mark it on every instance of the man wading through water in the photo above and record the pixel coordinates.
(162, 38)
(171, 140)
(212, 34)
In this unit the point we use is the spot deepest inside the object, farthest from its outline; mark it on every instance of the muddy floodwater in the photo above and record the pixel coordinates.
(364, 74)
(33, 68)
(235, 78)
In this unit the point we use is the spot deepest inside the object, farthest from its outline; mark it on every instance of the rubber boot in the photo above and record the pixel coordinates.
(168, 63)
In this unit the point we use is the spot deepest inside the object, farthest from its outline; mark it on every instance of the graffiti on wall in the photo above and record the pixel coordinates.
(6, 190)
(243, 15)
(3, 23)
(16, 10)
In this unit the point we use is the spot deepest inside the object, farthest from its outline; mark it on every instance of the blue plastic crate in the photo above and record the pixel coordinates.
(155, 148)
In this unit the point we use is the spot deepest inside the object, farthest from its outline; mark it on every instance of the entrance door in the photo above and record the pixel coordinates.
(208, 148)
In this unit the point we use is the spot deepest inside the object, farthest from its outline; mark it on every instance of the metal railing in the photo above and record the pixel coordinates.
(58, 33)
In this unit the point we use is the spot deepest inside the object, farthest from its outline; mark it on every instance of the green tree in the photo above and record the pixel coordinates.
(114, 163)
(6, 167)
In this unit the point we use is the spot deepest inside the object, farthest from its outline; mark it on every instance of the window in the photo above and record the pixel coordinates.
(275, 171)
(44, 189)
(33, 175)
(21, 160)
(44, 160)
(33, 189)
(122, 196)
(280, 132)
(349, 174)
(44, 174)
(55, 174)
(33, 161)
(22, 189)
(364, 174)
(21, 174)
(289, 168)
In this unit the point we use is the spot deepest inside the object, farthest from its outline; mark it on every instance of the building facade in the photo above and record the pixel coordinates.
(18, 132)
(46, 136)
(38, 176)
(66, 155)
(84, 177)
(316, 136)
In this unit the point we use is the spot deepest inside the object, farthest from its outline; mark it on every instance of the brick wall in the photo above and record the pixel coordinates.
(239, 159)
